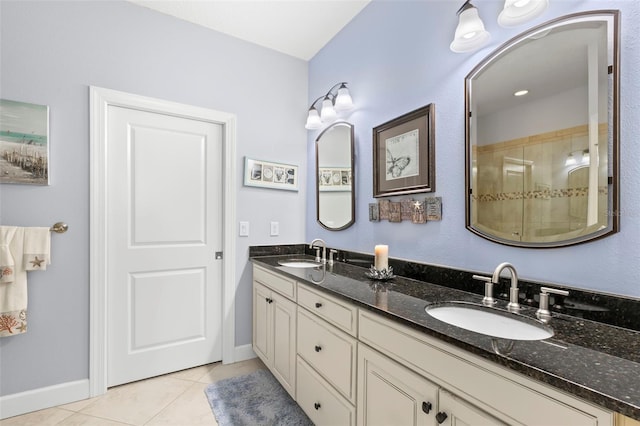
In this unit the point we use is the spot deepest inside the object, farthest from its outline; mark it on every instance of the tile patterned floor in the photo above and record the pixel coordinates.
(175, 399)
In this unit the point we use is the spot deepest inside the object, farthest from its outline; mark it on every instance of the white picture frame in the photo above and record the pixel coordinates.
(268, 174)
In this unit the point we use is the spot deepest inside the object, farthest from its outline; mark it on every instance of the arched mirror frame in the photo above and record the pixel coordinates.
(352, 177)
(613, 114)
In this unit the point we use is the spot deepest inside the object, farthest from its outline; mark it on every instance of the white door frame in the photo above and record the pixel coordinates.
(100, 100)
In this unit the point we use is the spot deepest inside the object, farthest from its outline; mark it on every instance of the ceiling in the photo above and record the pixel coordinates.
(299, 28)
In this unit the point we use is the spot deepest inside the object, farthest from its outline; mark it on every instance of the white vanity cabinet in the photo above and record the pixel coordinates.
(473, 390)
(345, 365)
(274, 325)
(327, 348)
(391, 394)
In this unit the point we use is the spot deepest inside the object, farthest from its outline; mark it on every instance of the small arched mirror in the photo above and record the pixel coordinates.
(542, 135)
(335, 193)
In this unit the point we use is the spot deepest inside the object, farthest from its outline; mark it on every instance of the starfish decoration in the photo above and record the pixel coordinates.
(23, 327)
(37, 262)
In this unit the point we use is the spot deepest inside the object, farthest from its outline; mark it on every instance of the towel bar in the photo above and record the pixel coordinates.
(59, 227)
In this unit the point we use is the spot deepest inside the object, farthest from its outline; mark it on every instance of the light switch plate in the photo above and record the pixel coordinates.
(244, 229)
(275, 229)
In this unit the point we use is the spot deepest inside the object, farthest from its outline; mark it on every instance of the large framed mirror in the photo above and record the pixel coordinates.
(542, 135)
(335, 190)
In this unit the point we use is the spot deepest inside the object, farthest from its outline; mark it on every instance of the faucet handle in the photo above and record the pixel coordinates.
(488, 299)
(481, 278)
(543, 312)
(331, 253)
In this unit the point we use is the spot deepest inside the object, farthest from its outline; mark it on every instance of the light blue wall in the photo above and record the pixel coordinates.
(51, 52)
(396, 57)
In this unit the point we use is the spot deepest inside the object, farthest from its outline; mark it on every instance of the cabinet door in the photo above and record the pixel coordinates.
(454, 411)
(390, 394)
(262, 340)
(284, 341)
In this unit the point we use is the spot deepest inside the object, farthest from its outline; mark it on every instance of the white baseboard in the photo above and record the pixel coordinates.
(41, 398)
(65, 393)
(244, 352)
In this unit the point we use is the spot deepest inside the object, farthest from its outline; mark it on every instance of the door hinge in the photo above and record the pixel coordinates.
(218, 255)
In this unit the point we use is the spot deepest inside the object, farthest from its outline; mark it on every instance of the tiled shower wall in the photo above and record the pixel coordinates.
(525, 188)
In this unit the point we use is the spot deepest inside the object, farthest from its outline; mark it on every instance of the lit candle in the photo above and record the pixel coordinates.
(381, 257)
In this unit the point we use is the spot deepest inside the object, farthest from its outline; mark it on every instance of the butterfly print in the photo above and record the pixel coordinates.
(397, 165)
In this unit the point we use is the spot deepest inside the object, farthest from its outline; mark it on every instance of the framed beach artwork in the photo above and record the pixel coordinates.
(404, 154)
(266, 174)
(24, 143)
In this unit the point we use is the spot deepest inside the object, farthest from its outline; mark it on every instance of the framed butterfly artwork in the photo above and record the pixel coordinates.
(404, 154)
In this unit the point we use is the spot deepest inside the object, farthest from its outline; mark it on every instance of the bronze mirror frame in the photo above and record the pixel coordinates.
(330, 190)
(613, 172)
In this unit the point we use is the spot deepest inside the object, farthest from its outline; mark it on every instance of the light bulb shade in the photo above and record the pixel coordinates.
(343, 99)
(328, 113)
(470, 33)
(516, 12)
(313, 120)
(570, 161)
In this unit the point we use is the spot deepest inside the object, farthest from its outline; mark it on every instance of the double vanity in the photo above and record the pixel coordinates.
(351, 350)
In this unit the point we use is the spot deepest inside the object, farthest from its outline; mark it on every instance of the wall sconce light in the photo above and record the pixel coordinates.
(332, 104)
(518, 12)
(581, 155)
(470, 33)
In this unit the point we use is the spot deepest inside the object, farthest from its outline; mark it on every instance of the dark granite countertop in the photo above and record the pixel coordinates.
(593, 361)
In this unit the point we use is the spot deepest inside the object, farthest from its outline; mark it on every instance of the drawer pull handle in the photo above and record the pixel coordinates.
(318, 348)
(318, 305)
(441, 417)
(317, 405)
(269, 300)
(426, 407)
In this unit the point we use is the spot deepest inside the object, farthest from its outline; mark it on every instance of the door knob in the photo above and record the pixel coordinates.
(441, 417)
(426, 407)
(318, 348)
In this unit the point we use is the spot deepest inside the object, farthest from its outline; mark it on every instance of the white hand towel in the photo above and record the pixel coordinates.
(7, 262)
(37, 249)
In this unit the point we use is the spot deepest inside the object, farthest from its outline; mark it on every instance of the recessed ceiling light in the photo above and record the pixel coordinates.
(521, 92)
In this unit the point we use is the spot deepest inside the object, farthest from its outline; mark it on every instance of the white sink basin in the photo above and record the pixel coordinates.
(299, 263)
(491, 322)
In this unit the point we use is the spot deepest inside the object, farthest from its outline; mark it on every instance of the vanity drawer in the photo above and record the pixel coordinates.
(330, 351)
(320, 401)
(333, 310)
(283, 285)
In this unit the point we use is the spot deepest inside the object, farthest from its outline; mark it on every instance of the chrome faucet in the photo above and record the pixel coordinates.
(488, 299)
(321, 243)
(514, 293)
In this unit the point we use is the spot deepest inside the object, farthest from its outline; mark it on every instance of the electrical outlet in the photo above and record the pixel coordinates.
(275, 229)
(244, 229)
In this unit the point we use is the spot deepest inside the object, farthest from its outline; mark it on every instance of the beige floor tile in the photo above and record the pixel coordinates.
(220, 371)
(79, 419)
(79, 405)
(138, 402)
(193, 374)
(191, 408)
(48, 417)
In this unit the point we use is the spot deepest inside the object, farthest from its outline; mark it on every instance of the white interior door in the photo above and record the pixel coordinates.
(164, 225)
